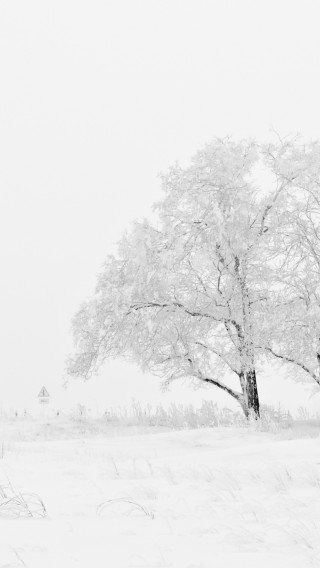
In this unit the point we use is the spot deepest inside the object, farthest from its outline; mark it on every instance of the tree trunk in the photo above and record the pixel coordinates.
(251, 405)
(248, 380)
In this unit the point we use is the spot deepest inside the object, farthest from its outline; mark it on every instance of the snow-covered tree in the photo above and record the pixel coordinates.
(190, 296)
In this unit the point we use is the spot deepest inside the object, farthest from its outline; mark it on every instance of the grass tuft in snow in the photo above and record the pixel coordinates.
(128, 508)
(15, 504)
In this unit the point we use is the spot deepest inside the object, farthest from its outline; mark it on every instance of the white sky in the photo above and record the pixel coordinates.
(96, 98)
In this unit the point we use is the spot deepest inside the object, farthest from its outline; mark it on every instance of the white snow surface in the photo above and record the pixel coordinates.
(222, 498)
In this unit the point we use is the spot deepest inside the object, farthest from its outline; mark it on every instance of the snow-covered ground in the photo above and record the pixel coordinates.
(222, 498)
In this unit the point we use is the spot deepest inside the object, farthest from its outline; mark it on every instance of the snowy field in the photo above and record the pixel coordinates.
(146, 498)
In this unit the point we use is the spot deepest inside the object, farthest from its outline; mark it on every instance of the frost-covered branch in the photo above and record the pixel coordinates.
(144, 305)
(294, 361)
(220, 355)
(237, 395)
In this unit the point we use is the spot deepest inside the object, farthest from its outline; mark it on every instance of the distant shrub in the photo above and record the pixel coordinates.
(175, 416)
(208, 415)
